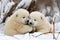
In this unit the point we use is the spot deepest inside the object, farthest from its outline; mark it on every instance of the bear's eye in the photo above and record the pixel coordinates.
(28, 16)
(34, 19)
(16, 15)
(23, 17)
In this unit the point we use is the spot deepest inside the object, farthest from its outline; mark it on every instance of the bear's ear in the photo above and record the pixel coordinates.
(41, 17)
(16, 15)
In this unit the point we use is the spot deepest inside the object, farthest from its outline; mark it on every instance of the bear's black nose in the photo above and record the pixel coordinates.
(30, 23)
(27, 21)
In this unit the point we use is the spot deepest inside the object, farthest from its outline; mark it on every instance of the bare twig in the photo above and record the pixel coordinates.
(54, 27)
(10, 12)
(40, 34)
(54, 19)
(32, 6)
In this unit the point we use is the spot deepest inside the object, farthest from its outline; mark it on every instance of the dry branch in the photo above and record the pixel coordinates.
(10, 12)
(54, 27)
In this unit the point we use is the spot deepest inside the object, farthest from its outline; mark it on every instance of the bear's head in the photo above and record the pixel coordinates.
(21, 16)
(36, 19)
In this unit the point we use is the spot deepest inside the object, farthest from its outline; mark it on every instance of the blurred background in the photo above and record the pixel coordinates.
(50, 8)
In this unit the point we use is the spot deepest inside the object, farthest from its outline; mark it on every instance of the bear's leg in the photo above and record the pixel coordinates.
(25, 29)
(11, 32)
(44, 31)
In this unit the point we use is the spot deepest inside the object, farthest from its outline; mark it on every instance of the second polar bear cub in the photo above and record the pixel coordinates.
(16, 23)
(39, 22)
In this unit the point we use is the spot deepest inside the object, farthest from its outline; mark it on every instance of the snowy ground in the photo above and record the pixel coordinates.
(28, 36)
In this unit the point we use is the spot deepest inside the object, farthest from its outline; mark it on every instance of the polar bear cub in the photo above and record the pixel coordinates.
(39, 22)
(16, 23)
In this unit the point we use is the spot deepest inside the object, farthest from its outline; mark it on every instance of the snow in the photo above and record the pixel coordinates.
(26, 36)
(48, 9)
(7, 38)
(24, 3)
(43, 10)
(57, 27)
(49, 18)
(8, 7)
(57, 17)
(0, 7)
(5, 6)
